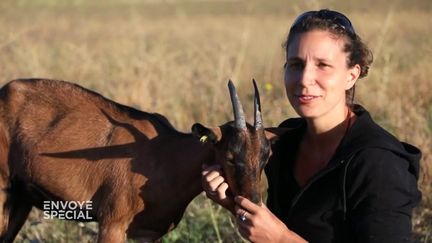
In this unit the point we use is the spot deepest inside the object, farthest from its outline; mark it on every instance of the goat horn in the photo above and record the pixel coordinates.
(239, 117)
(258, 124)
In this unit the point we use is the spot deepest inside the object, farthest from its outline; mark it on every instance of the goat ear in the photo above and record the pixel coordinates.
(206, 134)
(273, 133)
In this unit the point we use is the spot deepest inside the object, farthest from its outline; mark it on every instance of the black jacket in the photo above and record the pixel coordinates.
(365, 194)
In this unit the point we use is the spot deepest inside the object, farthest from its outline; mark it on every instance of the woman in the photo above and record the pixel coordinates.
(336, 176)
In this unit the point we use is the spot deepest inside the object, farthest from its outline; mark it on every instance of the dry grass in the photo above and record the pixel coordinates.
(175, 57)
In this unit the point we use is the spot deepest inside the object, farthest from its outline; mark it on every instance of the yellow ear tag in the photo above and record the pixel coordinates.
(203, 139)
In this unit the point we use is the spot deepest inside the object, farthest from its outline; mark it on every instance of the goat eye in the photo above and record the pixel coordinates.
(229, 159)
(230, 162)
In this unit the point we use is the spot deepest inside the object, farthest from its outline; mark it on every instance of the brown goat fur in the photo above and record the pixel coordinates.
(61, 142)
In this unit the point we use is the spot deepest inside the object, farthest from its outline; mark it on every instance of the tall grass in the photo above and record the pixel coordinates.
(175, 57)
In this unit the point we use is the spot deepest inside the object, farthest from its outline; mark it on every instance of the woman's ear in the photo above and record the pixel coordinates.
(353, 75)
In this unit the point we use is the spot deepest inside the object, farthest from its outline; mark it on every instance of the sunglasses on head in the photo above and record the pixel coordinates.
(337, 18)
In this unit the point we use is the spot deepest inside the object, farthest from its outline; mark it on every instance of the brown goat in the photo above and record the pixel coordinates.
(245, 149)
(61, 142)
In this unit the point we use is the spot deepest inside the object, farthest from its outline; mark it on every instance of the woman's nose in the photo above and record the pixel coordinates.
(307, 76)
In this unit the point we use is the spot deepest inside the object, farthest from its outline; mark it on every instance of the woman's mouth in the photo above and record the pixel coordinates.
(304, 99)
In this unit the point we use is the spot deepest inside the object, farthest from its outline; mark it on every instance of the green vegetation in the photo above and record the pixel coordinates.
(174, 57)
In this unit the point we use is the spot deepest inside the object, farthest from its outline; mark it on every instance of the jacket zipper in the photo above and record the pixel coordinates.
(315, 178)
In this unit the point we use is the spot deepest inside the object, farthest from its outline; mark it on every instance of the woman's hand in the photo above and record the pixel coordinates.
(259, 224)
(215, 187)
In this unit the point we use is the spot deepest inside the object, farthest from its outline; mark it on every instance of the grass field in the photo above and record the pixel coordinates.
(174, 57)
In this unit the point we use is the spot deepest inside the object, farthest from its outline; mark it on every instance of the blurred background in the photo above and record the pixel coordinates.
(174, 57)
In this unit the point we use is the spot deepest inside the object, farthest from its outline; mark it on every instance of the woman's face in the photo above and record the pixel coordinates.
(317, 75)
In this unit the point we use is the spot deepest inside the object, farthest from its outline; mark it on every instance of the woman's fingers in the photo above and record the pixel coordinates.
(208, 169)
(215, 187)
(243, 217)
(211, 178)
(214, 183)
(220, 190)
(246, 204)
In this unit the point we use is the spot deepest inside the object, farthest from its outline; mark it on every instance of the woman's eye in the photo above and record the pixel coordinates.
(323, 65)
(294, 65)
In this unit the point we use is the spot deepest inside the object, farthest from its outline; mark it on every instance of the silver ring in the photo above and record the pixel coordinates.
(242, 217)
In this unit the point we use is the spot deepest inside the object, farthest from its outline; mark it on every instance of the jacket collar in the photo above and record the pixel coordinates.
(364, 133)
